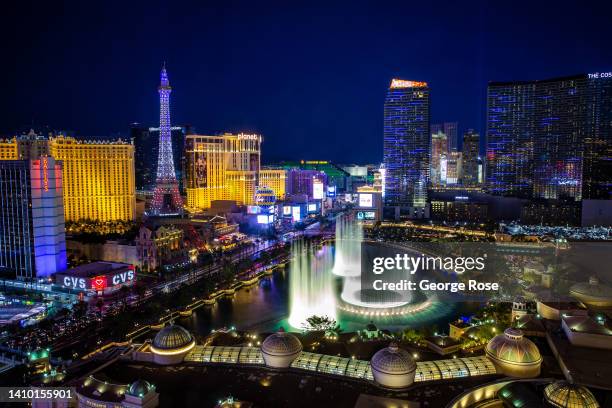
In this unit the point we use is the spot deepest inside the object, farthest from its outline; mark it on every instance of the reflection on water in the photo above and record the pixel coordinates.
(259, 307)
(264, 307)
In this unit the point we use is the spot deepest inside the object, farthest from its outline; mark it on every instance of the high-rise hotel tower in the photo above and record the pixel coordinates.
(98, 178)
(227, 167)
(32, 238)
(407, 146)
(471, 153)
(550, 139)
(439, 154)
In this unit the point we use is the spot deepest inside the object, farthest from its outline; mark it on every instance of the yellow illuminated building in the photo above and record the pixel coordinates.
(8, 149)
(275, 179)
(226, 167)
(24, 147)
(98, 178)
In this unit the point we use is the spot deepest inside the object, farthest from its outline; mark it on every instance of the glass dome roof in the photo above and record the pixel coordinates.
(566, 395)
(172, 337)
(281, 343)
(140, 388)
(393, 360)
(512, 347)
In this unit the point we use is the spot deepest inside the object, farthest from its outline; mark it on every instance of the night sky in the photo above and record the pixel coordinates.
(311, 78)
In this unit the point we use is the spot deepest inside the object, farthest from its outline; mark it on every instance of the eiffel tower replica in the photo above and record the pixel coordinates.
(167, 200)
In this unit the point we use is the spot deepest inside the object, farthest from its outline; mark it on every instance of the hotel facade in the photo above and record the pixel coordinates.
(550, 139)
(98, 176)
(32, 240)
(98, 179)
(407, 144)
(227, 167)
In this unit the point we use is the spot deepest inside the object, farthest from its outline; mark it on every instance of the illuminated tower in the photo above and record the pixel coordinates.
(166, 197)
(407, 147)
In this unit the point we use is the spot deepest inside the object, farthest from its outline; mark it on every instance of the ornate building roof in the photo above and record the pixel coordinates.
(172, 337)
(564, 394)
(393, 360)
(511, 347)
(140, 388)
(281, 343)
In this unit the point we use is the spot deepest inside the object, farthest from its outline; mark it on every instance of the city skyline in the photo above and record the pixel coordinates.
(209, 204)
(268, 71)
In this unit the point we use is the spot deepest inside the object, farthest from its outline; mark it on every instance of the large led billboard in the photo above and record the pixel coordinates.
(253, 209)
(317, 190)
(365, 200)
(296, 213)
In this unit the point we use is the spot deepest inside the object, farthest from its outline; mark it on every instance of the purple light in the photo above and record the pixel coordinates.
(166, 184)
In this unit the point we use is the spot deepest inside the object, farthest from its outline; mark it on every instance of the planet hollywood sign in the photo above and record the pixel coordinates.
(243, 136)
(97, 283)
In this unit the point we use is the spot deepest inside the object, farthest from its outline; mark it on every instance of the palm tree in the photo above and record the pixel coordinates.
(100, 305)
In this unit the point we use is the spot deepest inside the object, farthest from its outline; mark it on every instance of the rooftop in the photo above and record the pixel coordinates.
(346, 367)
(96, 268)
(102, 390)
(442, 341)
(586, 324)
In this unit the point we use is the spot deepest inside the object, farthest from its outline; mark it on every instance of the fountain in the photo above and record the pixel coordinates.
(311, 289)
(315, 270)
(349, 235)
(348, 258)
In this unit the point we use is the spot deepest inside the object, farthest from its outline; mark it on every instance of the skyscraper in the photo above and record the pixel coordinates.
(450, 130)
(166, 197)
(542, 136)
(597, 163)
(406, 145)
(454, 167)
(471, 151)
(439, 149)
(227, 167)
(146, 145)
(32, 238)
(145, 151)
(510, 128)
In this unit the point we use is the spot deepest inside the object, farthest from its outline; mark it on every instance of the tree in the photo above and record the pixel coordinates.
(227, 271)
(100, 305)
(80, 309)
(321, 323)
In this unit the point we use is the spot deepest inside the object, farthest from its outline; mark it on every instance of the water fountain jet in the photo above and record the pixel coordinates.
(349, 236)
(311, 286)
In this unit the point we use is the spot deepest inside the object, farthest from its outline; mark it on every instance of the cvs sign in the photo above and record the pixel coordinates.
(72, 282)
(122, 277)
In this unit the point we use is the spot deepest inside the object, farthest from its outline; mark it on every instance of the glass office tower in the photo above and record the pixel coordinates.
(406, 145)
(510, 128)
(597, 163)
(546, 139)
(471, 153)
(439, 150)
